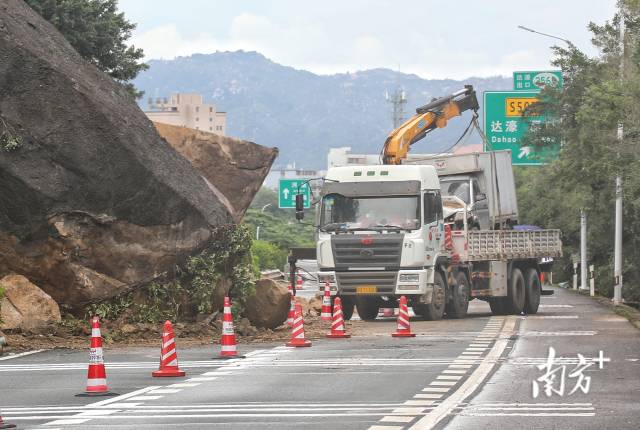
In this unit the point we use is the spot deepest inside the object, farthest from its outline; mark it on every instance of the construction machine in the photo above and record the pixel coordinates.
(433, 115)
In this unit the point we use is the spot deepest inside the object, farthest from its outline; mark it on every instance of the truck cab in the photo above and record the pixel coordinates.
(381, 236)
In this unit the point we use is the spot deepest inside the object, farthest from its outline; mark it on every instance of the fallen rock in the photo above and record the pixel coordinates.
(269, 305)
(25, 306)
(233, 168)
(244, 328)
(94, 202)
(315, 304)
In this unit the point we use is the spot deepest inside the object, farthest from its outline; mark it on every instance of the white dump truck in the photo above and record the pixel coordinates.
(382, 234)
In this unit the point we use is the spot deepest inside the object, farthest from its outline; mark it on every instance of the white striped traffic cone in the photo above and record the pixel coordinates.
(292, 308)
(337, 326)
(168, 354)
(326, 303)
(96, 374)
(228, 340)
(4, 425)
(404, 328)
(297, 333)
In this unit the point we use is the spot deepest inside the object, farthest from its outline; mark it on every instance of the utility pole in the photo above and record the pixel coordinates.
(398, 100)
(583, 250)
(617, 253)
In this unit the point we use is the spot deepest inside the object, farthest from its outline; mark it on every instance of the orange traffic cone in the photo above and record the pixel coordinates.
(337, 327)
(4, 425)
(298, 282)
(297, 333)
(168, 354)
(404, 328)
(292, 308)
(228, 340)
(97, 374)
(326, 303)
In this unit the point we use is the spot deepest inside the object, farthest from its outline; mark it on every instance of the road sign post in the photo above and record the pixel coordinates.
(287, 190)
(505, 126)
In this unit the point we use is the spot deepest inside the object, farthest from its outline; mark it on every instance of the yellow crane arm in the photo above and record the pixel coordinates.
(428, 117)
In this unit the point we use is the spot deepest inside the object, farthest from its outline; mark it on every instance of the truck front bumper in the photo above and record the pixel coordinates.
(408, 282)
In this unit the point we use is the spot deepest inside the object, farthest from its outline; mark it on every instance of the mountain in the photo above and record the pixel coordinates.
(301, 113)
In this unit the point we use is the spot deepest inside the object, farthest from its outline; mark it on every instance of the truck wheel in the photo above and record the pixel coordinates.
(459, 304)
(497, 305)
(347, 307)
(516, 293)
(532, 290)
(367, 308)
(434, 310)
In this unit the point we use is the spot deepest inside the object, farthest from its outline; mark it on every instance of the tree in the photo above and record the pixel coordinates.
(596, 97)
(99, 33)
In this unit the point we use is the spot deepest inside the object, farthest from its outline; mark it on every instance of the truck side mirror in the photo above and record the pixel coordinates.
(481, 196)
(299, 206)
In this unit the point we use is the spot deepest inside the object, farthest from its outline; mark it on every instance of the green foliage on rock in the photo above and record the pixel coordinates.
(227, 258)
(595, 99)
(99, 33)
(9, 139)
(226, 263)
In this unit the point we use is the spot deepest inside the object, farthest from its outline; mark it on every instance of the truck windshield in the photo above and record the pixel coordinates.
(458, 189)
(369, 213)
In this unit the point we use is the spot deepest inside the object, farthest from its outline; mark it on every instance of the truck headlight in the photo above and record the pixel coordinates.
(409, 277)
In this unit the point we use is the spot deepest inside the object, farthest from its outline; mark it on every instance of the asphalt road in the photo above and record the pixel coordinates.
(475, 373)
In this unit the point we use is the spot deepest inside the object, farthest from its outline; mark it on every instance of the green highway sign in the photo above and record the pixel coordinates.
(536, 80)
(505, 126)
(287, 190)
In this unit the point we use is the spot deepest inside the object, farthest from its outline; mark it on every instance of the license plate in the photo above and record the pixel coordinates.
(366, 290)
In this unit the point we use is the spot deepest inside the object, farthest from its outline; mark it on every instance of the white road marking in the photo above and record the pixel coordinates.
(184, 385)
(556, 306)
(418, 402)
(435, 389)
(22, 354)
(68, 422)
(449, 377)
(456, 371)
(471, 384)
(558, 333)
(460, 366)
(521, 414)
(165, 391)
(443, 383)
(428, 396)
(552, 317)
(386, 428)
(203, 378)
(397, 419)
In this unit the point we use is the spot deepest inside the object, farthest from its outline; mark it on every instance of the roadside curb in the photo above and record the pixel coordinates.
(625, 311)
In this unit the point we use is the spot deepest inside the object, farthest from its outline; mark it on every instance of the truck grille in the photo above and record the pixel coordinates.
(384, 281)
(364, 251)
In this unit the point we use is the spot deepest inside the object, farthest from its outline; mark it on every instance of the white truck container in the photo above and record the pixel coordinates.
(382, 235)
(483, 181)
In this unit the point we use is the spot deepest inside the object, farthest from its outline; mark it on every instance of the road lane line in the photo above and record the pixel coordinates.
(144, 398)
(428, 396)
(123, 396)
(66, 422)
(397, 419)
(472, 383)
(165, 391)
(22, 354)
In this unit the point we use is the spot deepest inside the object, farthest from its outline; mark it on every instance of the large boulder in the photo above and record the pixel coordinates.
(234, 168)
(94, 201)
(26, 306)
(268, 307)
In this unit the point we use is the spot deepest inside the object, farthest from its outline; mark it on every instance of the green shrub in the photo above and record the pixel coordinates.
(268, 256)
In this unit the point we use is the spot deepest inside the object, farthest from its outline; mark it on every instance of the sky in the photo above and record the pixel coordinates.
(433, 39)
